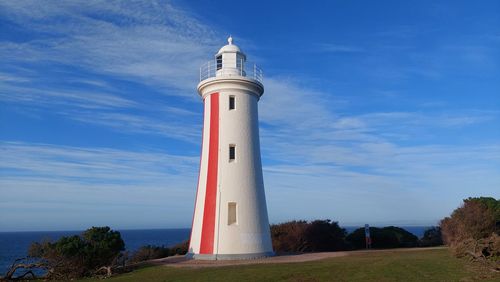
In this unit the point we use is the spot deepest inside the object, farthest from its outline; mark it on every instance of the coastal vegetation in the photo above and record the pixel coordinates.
(149, 252)
(473, 230)
(432, 237)
(95, 251)
(383, 238)
(299, 236)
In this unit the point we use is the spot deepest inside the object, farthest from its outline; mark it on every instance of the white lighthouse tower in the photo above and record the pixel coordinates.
(230, 217)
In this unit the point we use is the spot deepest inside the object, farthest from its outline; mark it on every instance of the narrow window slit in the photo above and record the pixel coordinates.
(232, 152)
(231, 103)
(231, 213)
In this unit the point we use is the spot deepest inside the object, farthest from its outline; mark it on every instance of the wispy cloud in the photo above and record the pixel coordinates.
(78, 180)
(382, 159)
(155, 44)
(131, 67)
(77, 48)
(56, 97)
(134, 123)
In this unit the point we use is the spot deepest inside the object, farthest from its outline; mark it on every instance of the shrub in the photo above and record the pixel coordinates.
(289, 236)
(180, 248)
(473, 228)
(97, 249)
(386, 237)
(432, 237)
(302, 236)
(149, 252)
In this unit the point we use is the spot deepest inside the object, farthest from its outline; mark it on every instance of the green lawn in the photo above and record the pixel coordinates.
(422, 265)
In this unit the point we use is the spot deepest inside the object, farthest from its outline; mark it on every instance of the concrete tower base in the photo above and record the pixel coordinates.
(230, 256)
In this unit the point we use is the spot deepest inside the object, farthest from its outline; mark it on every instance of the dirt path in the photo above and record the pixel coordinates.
(181, 261)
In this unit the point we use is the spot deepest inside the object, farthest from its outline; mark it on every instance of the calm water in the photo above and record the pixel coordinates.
(15, 244)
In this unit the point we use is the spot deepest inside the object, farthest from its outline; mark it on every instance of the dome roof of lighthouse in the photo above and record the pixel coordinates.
(229, 48)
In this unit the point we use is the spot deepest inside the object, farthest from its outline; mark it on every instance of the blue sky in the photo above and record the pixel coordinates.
(380, 112)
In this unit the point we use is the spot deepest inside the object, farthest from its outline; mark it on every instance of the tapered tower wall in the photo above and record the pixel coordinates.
(230, 219)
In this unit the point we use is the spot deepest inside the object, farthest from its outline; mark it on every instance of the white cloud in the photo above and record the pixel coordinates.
(134, 123)
(57, 97)
(328, 163)
(92, 185)
(320, 158)
(152, 43)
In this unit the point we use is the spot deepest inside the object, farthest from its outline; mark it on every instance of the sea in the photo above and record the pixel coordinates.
(15, 245)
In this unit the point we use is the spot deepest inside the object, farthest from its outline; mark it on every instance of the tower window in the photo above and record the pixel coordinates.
(231, 102)
(219, 62)
(232, 152)
(231, 213)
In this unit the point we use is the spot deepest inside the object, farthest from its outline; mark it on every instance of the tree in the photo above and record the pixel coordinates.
(302, 236)
(289, 236)
(432, 237)
(324, 236)
(97, 249)
(386, 237)
(102, 246)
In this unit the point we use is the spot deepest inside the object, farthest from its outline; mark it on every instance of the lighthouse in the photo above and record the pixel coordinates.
(230, 216)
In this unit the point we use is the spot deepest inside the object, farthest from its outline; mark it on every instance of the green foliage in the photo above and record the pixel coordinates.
(77, 256)
(70, 246)
(102, 245)
(324, 235)
(303, 236)
(386, 237)
(432, 237)
(492, 204)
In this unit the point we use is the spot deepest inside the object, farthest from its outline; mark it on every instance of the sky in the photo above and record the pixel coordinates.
(379, 112)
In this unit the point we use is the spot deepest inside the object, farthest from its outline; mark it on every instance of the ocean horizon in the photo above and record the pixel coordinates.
(15, 244)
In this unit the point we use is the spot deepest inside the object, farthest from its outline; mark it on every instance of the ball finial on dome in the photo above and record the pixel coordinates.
(230, 40)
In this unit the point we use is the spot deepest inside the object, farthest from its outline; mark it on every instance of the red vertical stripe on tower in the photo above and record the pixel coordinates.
(208, 228)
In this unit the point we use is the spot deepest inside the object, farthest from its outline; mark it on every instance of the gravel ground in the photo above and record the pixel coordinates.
(181, 261)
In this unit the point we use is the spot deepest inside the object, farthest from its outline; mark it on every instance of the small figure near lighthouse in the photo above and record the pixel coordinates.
(230, 217)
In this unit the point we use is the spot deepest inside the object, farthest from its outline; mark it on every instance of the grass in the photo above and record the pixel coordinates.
(421, 265)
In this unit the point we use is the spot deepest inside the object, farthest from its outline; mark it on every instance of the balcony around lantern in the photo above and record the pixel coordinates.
(231, 68)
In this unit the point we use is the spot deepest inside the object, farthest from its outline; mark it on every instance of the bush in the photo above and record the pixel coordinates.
(473, 229)
(149, 252)
(432, 237)
(97, 249)
(180, 248)
(386, 237)
(302, 236)
(289, 236)
(154, 252)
